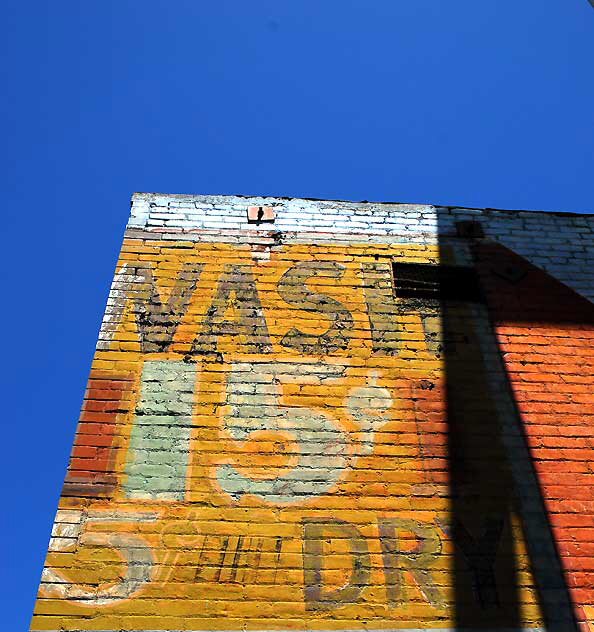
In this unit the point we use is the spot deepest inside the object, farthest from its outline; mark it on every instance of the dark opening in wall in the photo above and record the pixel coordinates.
(469, 229)
(436, 282)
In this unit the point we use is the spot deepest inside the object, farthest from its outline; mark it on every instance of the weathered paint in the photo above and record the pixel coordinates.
(159, 447)
(278, 458)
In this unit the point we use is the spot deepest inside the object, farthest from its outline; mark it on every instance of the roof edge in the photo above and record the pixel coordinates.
(313, 199)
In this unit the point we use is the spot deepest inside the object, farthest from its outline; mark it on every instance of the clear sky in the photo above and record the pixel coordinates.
(458, 102)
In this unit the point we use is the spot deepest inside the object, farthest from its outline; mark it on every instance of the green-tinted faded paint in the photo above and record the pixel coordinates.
(157, 458)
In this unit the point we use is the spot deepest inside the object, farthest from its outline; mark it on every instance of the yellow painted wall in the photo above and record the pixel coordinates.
(314, 494)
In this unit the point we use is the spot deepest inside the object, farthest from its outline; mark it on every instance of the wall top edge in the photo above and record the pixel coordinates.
(275, 200)
(351, 630)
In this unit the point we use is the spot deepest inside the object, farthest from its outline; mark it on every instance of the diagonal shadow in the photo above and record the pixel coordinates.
(496, 500)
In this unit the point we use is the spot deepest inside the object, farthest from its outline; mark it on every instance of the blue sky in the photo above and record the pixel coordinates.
(453, 102)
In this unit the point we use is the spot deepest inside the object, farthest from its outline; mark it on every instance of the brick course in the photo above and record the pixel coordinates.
(271, 438)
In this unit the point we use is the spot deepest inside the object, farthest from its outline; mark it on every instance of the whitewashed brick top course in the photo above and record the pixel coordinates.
(561, 243)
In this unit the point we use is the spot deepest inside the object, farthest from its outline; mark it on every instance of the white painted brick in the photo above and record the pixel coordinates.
(560, 243)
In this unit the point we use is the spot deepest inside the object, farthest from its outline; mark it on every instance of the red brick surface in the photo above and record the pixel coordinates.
(545, 331)
(91, 466)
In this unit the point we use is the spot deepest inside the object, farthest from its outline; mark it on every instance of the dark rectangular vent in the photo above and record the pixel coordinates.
(436, 282)
(469, 229)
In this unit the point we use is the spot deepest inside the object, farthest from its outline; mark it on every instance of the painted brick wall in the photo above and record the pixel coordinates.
(273, 438)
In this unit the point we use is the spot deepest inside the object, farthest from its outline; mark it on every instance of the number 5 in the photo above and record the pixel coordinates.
(134, 550)
(253, 392)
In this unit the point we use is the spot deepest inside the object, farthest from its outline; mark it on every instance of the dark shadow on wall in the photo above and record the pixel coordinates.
(493, 487)
(485, 565)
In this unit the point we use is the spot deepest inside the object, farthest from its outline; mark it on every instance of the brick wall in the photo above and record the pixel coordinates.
(275, 437)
